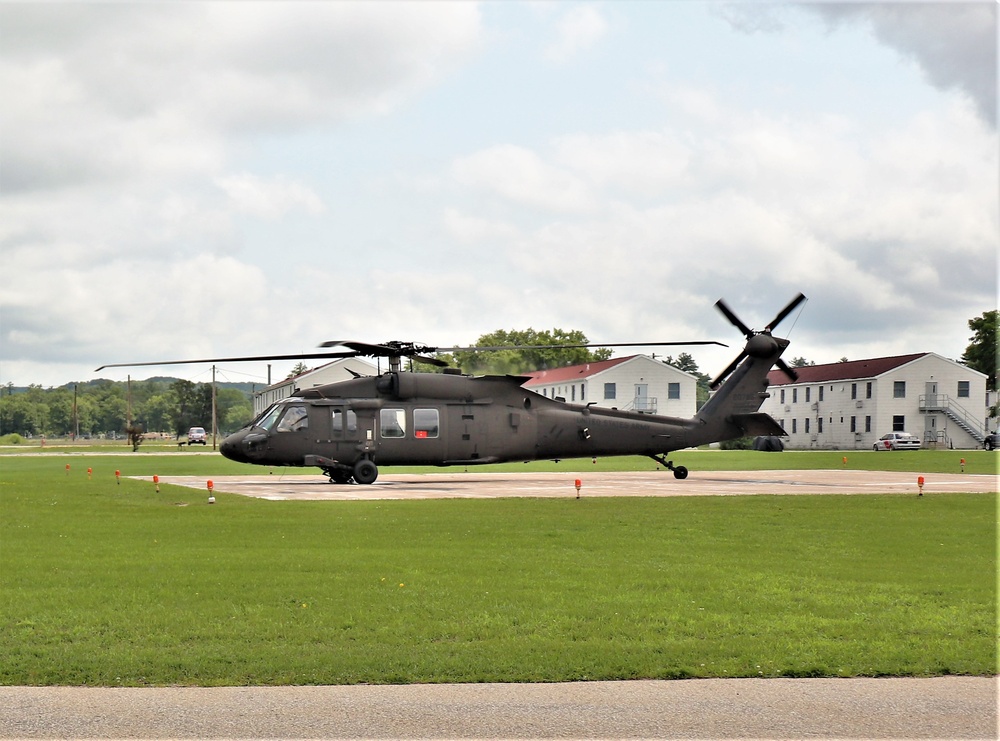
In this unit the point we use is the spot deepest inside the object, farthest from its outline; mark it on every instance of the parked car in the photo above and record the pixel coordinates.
(197, 435)
(897, 441)
(992, 441)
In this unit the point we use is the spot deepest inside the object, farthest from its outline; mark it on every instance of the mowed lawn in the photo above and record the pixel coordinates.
(114, 584)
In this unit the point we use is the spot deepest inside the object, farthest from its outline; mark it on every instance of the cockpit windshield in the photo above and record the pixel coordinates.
(267, 419)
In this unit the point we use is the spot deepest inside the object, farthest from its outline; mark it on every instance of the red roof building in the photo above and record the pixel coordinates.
(849, 405)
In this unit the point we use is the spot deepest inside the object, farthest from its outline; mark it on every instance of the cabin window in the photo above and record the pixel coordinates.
(339, 417)
(609, 391)
(393, 422)
(426, 423)
(963, 389)
(296, 418)
(899, 389)
(673, 391)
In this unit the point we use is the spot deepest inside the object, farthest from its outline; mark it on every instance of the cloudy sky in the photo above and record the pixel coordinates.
(196, 179)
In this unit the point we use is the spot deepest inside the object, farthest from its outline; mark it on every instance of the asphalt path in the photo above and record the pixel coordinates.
(932, 708)
(898, 708)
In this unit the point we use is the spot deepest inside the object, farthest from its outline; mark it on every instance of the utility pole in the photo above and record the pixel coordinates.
(215, 426)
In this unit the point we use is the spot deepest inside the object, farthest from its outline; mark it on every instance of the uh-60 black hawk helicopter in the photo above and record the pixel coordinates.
(350, 428)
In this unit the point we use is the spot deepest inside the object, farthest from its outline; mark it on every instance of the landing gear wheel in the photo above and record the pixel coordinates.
(680, 472)
(339, 476)
(365, 472)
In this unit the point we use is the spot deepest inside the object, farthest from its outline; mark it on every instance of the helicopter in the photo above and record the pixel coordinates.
(351, 428)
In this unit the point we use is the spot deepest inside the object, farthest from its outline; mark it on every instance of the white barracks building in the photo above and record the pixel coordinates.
(849, 405)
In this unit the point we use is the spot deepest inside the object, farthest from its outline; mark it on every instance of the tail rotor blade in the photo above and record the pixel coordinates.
(729, 369)
(785, 312)
(733, 319)
(787, 369)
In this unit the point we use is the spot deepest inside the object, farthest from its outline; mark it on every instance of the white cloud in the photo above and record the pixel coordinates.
(519, 175)
(578, 29)
(272, 199)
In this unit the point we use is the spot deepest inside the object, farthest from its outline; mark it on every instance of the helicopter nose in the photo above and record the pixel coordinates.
(230, 447)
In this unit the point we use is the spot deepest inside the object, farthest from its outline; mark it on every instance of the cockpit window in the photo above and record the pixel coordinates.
(267, 419)
(296, 418)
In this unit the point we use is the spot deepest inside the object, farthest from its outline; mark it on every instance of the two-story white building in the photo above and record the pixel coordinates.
(338, 370)
(634, 383)
(849, 405)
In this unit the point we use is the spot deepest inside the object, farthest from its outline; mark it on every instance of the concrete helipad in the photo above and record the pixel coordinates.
(283, 485)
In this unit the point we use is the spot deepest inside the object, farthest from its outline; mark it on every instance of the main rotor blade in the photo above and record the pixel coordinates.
(733, 319)
(249, 358)
(568, 347)
(785, 312)
(427, 360)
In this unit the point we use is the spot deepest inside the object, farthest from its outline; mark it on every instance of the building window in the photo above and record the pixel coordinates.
(782, 396)
(868, 424)
(898, 423)
(821, 393)
(808, 394)
(582, 387)
(673, 391)
(795, 395)
(963, 389)
(609, 391)
(819, 425)
(854, 391)
(854, 424)
(868, 390)
(899, 389)
(795, 426)
(807, 425)
(572, 390)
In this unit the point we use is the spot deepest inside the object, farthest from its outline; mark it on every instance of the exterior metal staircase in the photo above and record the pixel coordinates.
(943, 404)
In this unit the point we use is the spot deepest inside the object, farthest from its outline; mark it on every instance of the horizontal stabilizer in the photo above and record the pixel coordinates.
(758, 423)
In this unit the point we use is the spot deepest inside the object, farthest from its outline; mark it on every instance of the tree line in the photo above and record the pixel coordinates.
(105, 408)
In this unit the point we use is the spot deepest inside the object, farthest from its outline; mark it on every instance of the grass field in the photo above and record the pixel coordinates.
(114, 584)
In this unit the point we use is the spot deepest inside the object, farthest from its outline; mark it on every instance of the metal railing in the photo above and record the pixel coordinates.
(956, 412)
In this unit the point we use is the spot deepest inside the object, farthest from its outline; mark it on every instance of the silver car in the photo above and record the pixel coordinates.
(897, 441)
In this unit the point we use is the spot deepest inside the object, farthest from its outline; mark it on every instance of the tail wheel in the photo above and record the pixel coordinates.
(365, 472)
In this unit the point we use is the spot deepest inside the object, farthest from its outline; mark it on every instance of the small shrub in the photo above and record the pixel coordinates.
(11, 439)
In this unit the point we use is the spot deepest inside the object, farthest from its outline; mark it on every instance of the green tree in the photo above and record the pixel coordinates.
(520, 359)
(981, 354)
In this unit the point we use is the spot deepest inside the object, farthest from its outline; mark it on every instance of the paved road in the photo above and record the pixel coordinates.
(936, 708)
(282, 484)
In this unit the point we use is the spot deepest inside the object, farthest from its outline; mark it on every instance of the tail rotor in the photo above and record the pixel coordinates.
(759, 344)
